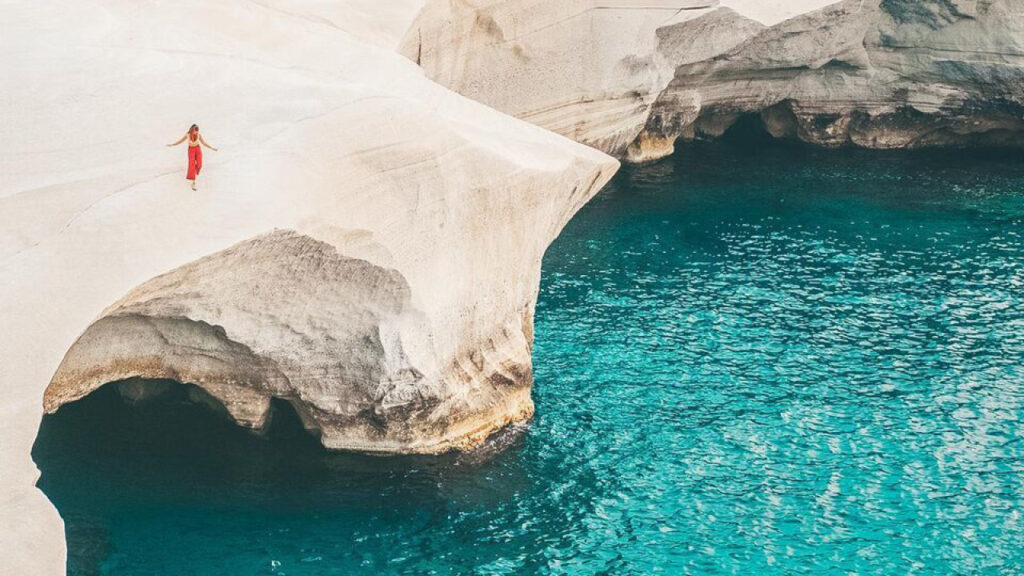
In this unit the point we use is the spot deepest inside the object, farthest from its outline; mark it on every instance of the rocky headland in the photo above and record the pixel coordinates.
(631, 78)
(366, 247)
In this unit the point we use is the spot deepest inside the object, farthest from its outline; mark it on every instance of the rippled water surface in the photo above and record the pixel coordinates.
(774, 362)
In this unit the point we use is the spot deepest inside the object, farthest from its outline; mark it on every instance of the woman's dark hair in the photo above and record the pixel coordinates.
(193, 127)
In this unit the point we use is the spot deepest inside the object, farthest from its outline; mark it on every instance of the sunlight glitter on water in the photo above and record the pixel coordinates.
(778, 361)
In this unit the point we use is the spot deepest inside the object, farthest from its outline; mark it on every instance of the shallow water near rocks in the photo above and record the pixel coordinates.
(768, 360)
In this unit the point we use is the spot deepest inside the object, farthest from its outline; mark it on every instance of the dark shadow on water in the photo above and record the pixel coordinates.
(707, 327)
(748, 135)
(749, 162)
(102, 459)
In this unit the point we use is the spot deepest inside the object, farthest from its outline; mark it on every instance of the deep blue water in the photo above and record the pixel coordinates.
(772, 361)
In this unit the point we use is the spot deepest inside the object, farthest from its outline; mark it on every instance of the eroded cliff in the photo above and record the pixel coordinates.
(630, 78)
(366, 245)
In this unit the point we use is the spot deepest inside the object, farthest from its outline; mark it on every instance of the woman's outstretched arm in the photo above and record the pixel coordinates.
(180, 141)
(204, 143)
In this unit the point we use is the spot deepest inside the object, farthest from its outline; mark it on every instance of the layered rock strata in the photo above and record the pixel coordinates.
(631, 77)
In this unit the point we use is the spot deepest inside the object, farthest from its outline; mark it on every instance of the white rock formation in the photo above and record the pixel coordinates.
(366, 245)
(630, 77)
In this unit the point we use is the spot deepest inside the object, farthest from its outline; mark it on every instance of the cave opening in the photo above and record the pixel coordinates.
(140, 418)
(690, 233)
(749, 133)
(136, 444)
(165, 455)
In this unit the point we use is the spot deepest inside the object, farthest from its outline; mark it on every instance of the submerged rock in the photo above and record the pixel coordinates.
(633, 77)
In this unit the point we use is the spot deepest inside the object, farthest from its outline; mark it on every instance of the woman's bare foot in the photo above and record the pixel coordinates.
(194, 185)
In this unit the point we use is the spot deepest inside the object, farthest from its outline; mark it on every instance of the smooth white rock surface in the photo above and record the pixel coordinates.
(771, 12)
(334, 150)
(630, 77)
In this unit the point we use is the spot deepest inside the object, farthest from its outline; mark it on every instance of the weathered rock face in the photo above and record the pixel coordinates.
(287, 316)
(871, 73)
(366, 245)
(585, 69)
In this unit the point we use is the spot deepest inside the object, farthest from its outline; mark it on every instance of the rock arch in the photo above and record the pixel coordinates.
(286, 316)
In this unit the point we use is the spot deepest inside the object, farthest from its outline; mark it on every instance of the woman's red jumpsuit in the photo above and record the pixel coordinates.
(195, 161)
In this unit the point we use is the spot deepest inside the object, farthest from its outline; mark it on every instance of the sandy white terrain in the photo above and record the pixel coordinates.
(328, 138)
(771, 12)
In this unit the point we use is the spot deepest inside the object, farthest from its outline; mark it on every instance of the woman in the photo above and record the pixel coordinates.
(195, 153)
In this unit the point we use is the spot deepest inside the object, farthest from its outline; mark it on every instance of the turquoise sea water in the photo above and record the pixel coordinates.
(772, 361)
